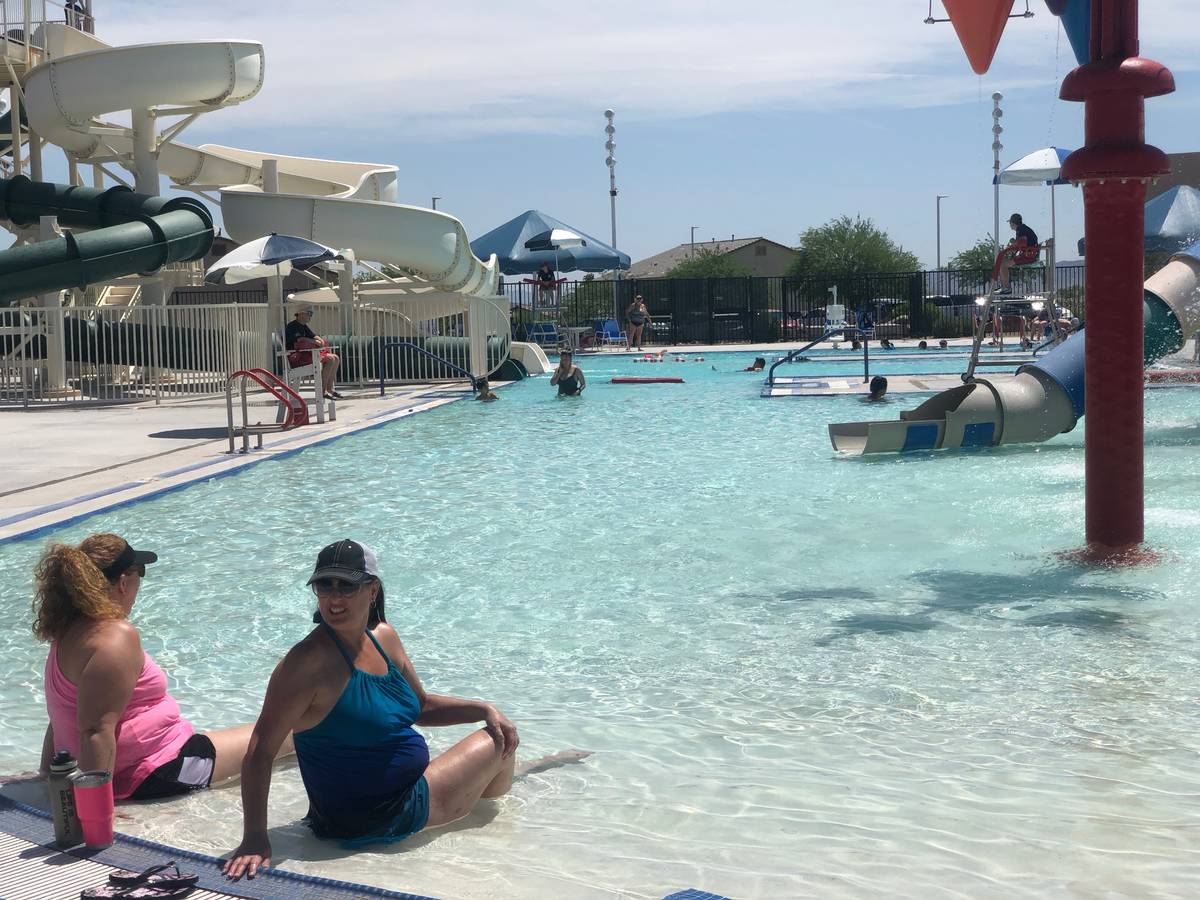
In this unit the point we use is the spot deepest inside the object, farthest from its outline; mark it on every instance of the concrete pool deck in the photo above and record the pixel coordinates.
(66, 462)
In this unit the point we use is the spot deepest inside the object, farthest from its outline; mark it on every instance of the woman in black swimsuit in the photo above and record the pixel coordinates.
(639, 317)
(568, 376)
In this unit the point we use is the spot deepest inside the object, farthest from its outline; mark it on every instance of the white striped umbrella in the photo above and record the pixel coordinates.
(1040, 167)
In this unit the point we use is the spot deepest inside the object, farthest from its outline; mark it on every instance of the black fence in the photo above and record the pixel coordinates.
(762, 309)
(186, 296)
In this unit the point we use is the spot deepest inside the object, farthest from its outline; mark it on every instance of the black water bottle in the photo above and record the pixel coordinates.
(67, 830)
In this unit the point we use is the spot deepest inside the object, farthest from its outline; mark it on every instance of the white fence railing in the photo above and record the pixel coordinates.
(110, 354)
(22, 25)
(473, 334)
(149, 352)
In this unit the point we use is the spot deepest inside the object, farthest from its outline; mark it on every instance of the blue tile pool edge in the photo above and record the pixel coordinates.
(395, 414)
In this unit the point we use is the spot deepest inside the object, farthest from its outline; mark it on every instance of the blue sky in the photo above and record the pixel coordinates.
(760, 119)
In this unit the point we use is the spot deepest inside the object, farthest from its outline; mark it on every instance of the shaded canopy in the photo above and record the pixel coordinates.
(508, 243)
(1172, 221)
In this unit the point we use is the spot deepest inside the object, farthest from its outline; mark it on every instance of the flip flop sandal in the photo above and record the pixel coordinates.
(166, 875)
(141, 892)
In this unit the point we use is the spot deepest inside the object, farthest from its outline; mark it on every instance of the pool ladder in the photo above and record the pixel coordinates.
(292, 405)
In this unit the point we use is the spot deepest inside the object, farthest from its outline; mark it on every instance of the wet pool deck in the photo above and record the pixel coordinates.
(64, 463)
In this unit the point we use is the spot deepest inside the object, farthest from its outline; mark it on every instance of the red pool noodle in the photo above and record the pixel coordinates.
(1173, 376)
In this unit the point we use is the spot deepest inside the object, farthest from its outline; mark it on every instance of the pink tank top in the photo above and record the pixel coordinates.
(149, 733)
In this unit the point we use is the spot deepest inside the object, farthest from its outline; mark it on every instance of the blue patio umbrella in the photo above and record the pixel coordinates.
(522, 244)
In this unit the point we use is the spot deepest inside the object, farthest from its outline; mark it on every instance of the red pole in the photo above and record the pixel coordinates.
(1114, 166)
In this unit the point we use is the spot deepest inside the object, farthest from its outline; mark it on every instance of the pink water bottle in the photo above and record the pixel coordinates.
(94, 802)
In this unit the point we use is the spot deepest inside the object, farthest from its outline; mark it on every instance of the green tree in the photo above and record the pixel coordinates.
(850, 247)
(708, 264)
(977, 258)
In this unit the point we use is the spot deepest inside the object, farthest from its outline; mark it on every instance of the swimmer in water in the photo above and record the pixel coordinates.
(758, 365)
(484, 392)
(879, 386)
(568, 377)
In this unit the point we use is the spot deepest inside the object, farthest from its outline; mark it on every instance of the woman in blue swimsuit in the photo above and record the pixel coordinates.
(350, 696)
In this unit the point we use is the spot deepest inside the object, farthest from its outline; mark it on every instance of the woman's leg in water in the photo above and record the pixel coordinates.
(231, 750)
(472, 770)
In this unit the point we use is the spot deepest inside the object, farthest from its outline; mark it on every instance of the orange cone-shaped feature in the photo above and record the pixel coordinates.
(979, 24)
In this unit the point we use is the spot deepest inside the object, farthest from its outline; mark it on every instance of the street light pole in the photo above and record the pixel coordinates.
(611, 161)
(997, 130)
(940, 198)
(433, 203)
(694, 227)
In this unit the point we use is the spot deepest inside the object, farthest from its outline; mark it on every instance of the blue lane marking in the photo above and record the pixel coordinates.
(920, 437)
(979, 434)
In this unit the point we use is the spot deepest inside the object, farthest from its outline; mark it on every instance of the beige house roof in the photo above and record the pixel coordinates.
(661, 263)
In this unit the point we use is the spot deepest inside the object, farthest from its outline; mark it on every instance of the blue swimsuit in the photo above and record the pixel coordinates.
(363, 765)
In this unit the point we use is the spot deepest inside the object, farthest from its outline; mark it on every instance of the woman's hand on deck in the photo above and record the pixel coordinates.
(503, 732)
(250, 856)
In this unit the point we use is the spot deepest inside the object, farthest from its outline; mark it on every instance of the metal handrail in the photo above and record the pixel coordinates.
(849, 331)
(992, 300)
(410, 345)
(294, 416)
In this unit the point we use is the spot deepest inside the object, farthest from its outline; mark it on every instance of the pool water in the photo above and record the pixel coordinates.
(800, 675)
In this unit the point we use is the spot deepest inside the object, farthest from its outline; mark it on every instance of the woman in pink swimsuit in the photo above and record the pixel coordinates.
(107, 699)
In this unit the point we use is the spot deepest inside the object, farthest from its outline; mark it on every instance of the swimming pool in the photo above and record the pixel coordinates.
(801, 674)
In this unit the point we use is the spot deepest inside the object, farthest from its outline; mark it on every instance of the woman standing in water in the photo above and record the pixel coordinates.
(568, 376)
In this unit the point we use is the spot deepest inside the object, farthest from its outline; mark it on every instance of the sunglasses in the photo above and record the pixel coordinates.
(334, 586)
(140, 569)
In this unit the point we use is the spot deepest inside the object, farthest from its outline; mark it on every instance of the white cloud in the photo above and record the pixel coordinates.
(473, 68)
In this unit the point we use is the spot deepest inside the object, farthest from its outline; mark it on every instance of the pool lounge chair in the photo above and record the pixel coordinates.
(609, 334)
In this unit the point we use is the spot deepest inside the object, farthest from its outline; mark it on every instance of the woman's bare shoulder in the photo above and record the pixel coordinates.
(390, 641)
(114, 637)
(308, 657)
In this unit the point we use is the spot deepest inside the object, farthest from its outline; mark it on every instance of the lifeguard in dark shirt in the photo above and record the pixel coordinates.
(547, 284)
(300, 339)
(1021, 250)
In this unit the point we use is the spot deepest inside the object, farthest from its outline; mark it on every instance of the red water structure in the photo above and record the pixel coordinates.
(1113, 167)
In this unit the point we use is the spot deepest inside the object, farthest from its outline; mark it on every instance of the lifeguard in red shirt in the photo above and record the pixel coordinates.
(1022, 249)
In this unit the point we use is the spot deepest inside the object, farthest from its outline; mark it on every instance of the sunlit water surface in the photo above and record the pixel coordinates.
(801, 675)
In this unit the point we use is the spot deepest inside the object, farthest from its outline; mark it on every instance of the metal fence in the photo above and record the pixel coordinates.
(469, 333)
(22, 24)
(134, 353)
(763, 309)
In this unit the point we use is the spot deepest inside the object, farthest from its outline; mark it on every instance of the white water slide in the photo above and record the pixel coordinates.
(343, 204)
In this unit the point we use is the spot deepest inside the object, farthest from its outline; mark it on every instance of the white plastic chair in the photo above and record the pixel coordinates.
(294, 376)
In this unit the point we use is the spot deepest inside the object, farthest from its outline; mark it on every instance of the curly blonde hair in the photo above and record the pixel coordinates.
(70, 585)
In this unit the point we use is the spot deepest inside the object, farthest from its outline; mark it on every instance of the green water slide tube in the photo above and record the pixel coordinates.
(127, 234)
